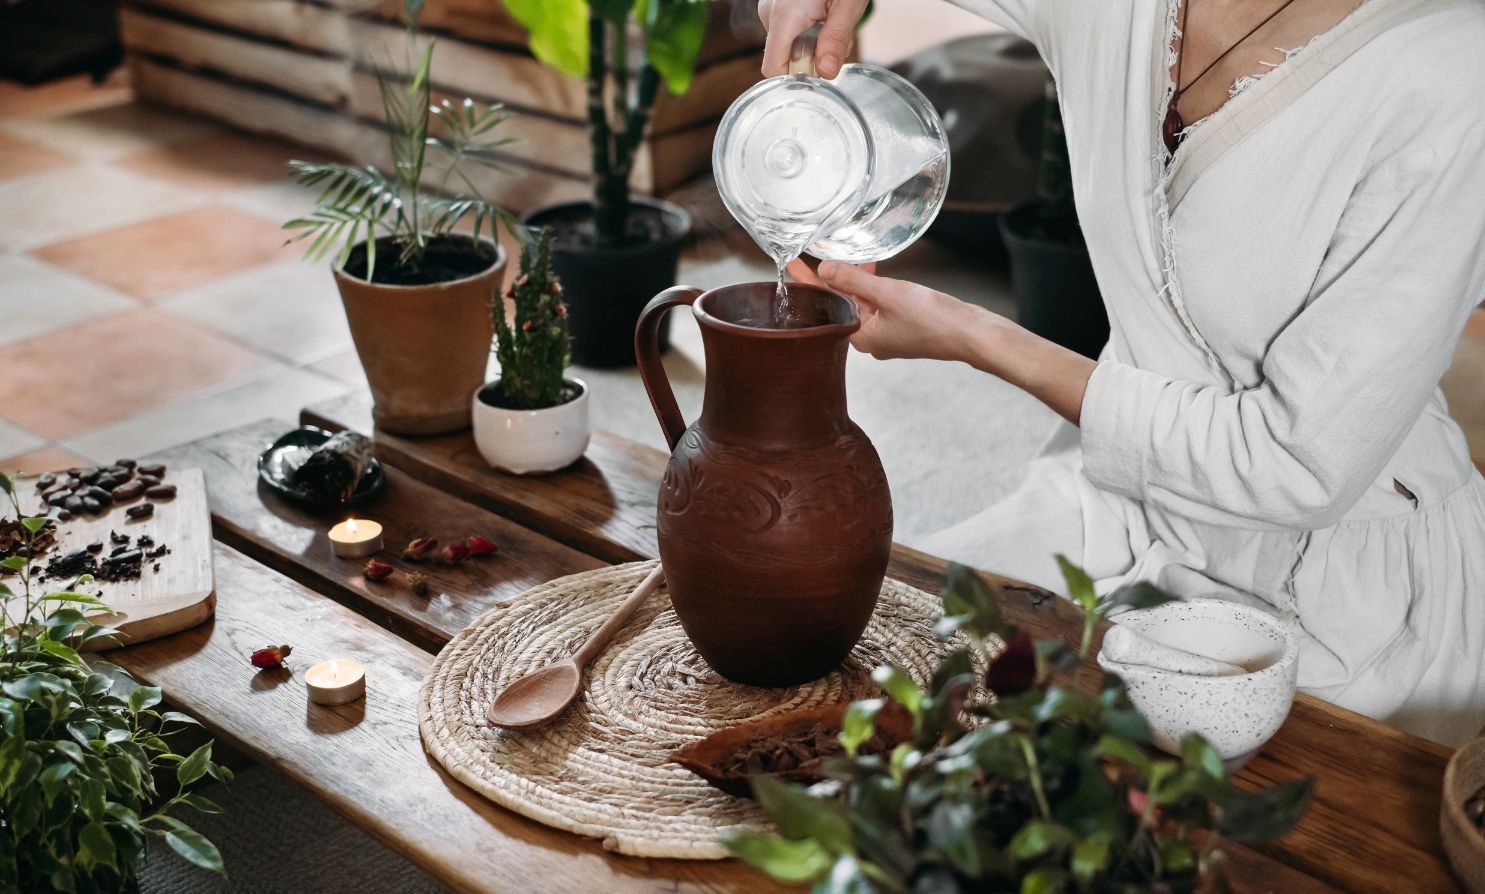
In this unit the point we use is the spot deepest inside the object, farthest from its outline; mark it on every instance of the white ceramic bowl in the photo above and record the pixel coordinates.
(527, 442)
(1236, 714)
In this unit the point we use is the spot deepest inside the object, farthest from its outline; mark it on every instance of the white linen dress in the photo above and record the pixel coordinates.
(1284, 294)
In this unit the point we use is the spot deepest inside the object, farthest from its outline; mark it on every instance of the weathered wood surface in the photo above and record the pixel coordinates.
(180, 594)
(1373, 825)
(294, 540)
(366, 759)
(281, 536)
(298, 22)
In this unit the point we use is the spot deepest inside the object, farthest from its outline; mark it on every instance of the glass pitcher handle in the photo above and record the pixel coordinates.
(651, 370)
(802, 53)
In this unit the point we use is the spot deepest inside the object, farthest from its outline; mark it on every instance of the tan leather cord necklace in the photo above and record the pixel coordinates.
(1174, 126)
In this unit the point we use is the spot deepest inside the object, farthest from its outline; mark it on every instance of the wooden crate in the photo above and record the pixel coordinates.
(305, 70)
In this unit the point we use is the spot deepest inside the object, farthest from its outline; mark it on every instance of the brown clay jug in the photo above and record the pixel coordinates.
(775, 521)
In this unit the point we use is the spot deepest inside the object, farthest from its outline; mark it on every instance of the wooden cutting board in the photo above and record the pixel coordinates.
(180, 595)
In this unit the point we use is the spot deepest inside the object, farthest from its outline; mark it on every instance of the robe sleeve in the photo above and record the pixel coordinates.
(1343, 383)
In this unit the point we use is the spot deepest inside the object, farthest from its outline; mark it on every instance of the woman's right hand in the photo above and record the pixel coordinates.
(787, 19)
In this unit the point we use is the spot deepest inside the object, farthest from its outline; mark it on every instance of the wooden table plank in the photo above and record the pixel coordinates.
(366, 759)
(293, 540)
(1373, 825)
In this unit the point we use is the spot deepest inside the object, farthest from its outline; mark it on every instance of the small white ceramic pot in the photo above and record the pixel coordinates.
(1236, 713)
(527, 442)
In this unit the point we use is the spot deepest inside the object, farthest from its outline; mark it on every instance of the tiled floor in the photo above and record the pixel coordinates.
(146, 295)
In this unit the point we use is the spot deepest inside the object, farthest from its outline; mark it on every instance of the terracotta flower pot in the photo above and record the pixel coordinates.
(774, 520)
(424, 347)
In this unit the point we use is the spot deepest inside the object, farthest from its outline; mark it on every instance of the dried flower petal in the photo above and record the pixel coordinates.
(270, 656)
(1014, 670)
(377, 570)
(419, 549)
(479, 545)
(454, 553)
(418, 583)
(561, 309)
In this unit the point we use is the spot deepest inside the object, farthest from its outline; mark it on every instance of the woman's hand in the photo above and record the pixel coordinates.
(902, 320)
(787, 19)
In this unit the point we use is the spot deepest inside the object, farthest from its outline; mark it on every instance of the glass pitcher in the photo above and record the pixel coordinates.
(853, 169)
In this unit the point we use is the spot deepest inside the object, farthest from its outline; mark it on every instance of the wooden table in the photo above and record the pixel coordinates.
(1373, 825)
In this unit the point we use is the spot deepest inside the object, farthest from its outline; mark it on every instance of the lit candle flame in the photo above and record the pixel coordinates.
(334, 671)
(350, 526)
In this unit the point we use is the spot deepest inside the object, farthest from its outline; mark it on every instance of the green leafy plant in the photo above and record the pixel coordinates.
(590, 39)
(1041, 789)
(533, 352)
(78, 798)
(359, 204)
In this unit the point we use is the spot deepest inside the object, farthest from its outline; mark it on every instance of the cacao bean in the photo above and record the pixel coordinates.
(73, 504)
(126, 463)
(143, 510)
(128, 490)
(64, 515)
(155, 469)
(109, 482)
(91, 506)
(161, 492)
(103, 497)
(149, 480)
(89, 474)
(46, 480)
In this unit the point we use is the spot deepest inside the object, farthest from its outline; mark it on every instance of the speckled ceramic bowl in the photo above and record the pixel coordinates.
(1237, 714)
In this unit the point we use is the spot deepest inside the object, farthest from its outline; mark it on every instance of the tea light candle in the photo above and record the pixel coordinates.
(356, 538)
(336, 682)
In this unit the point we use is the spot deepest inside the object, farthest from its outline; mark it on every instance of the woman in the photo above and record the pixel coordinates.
(1288, 242)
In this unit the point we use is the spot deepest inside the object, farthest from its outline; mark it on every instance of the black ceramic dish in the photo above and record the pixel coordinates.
(277, 464)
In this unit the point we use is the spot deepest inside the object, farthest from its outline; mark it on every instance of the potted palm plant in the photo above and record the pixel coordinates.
(415, 292)
(616, 251)
(1051, 273)
(532, 419)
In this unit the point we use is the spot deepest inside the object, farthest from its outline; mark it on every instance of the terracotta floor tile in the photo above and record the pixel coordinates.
(47, 459)
(291, 310)
(218, 163)
(15, 440)
(98, 373)
(111, 132)
(159, 257)
(75, 94)
(345, 366)
(81, 199)
(20, 157)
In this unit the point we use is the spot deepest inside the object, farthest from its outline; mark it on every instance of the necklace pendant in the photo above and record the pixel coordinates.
(1171, 129)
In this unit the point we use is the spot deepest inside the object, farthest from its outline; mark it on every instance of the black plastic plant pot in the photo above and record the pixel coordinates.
(606, 287)
(1056, 293)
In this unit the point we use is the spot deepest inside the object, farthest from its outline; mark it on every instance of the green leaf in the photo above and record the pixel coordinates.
(202, 803)
(194, 847)
(674, 42)
(95, 846)
(971, 604)
(559, 32)
(859, 723)
(34, 524)
(1263, 815)
(1140, 595)
(1199, 754)
(60, 650)
(54, 777)
(1124, 750)
(846, 877)
(143, 697)
(1037, 837)
(897, 684)
(950, 826)
(1043, 881)
(1090, 857)
(15, 563)
(5, 483)
(195, 766)
(178, 717)
(801, 815)
(1079, 585)
(785, 860)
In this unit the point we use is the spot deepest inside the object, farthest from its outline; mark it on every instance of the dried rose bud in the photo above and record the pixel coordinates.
(377, 570)
(522, 279)
(419, 549)
(1014, 670)
(270, 656)
(556, 287)
(561, 309)
(526, 326)
(479, 545)
(418, 583)
(454, 553)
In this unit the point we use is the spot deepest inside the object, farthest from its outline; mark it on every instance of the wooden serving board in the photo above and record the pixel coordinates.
(180, 595)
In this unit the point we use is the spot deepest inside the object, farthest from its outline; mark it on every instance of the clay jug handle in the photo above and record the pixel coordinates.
(651, 370)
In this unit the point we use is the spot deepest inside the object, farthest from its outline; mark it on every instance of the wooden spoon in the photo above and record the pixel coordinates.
(541, 695)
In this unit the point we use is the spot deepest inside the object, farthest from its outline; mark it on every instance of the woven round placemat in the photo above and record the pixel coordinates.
(602, 768)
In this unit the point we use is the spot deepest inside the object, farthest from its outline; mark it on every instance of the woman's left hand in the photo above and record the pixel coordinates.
(905, 320)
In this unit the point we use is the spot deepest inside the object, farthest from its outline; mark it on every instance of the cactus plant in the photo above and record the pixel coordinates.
(533, 349)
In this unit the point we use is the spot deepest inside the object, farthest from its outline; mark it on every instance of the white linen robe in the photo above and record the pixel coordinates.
(1284, 294)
